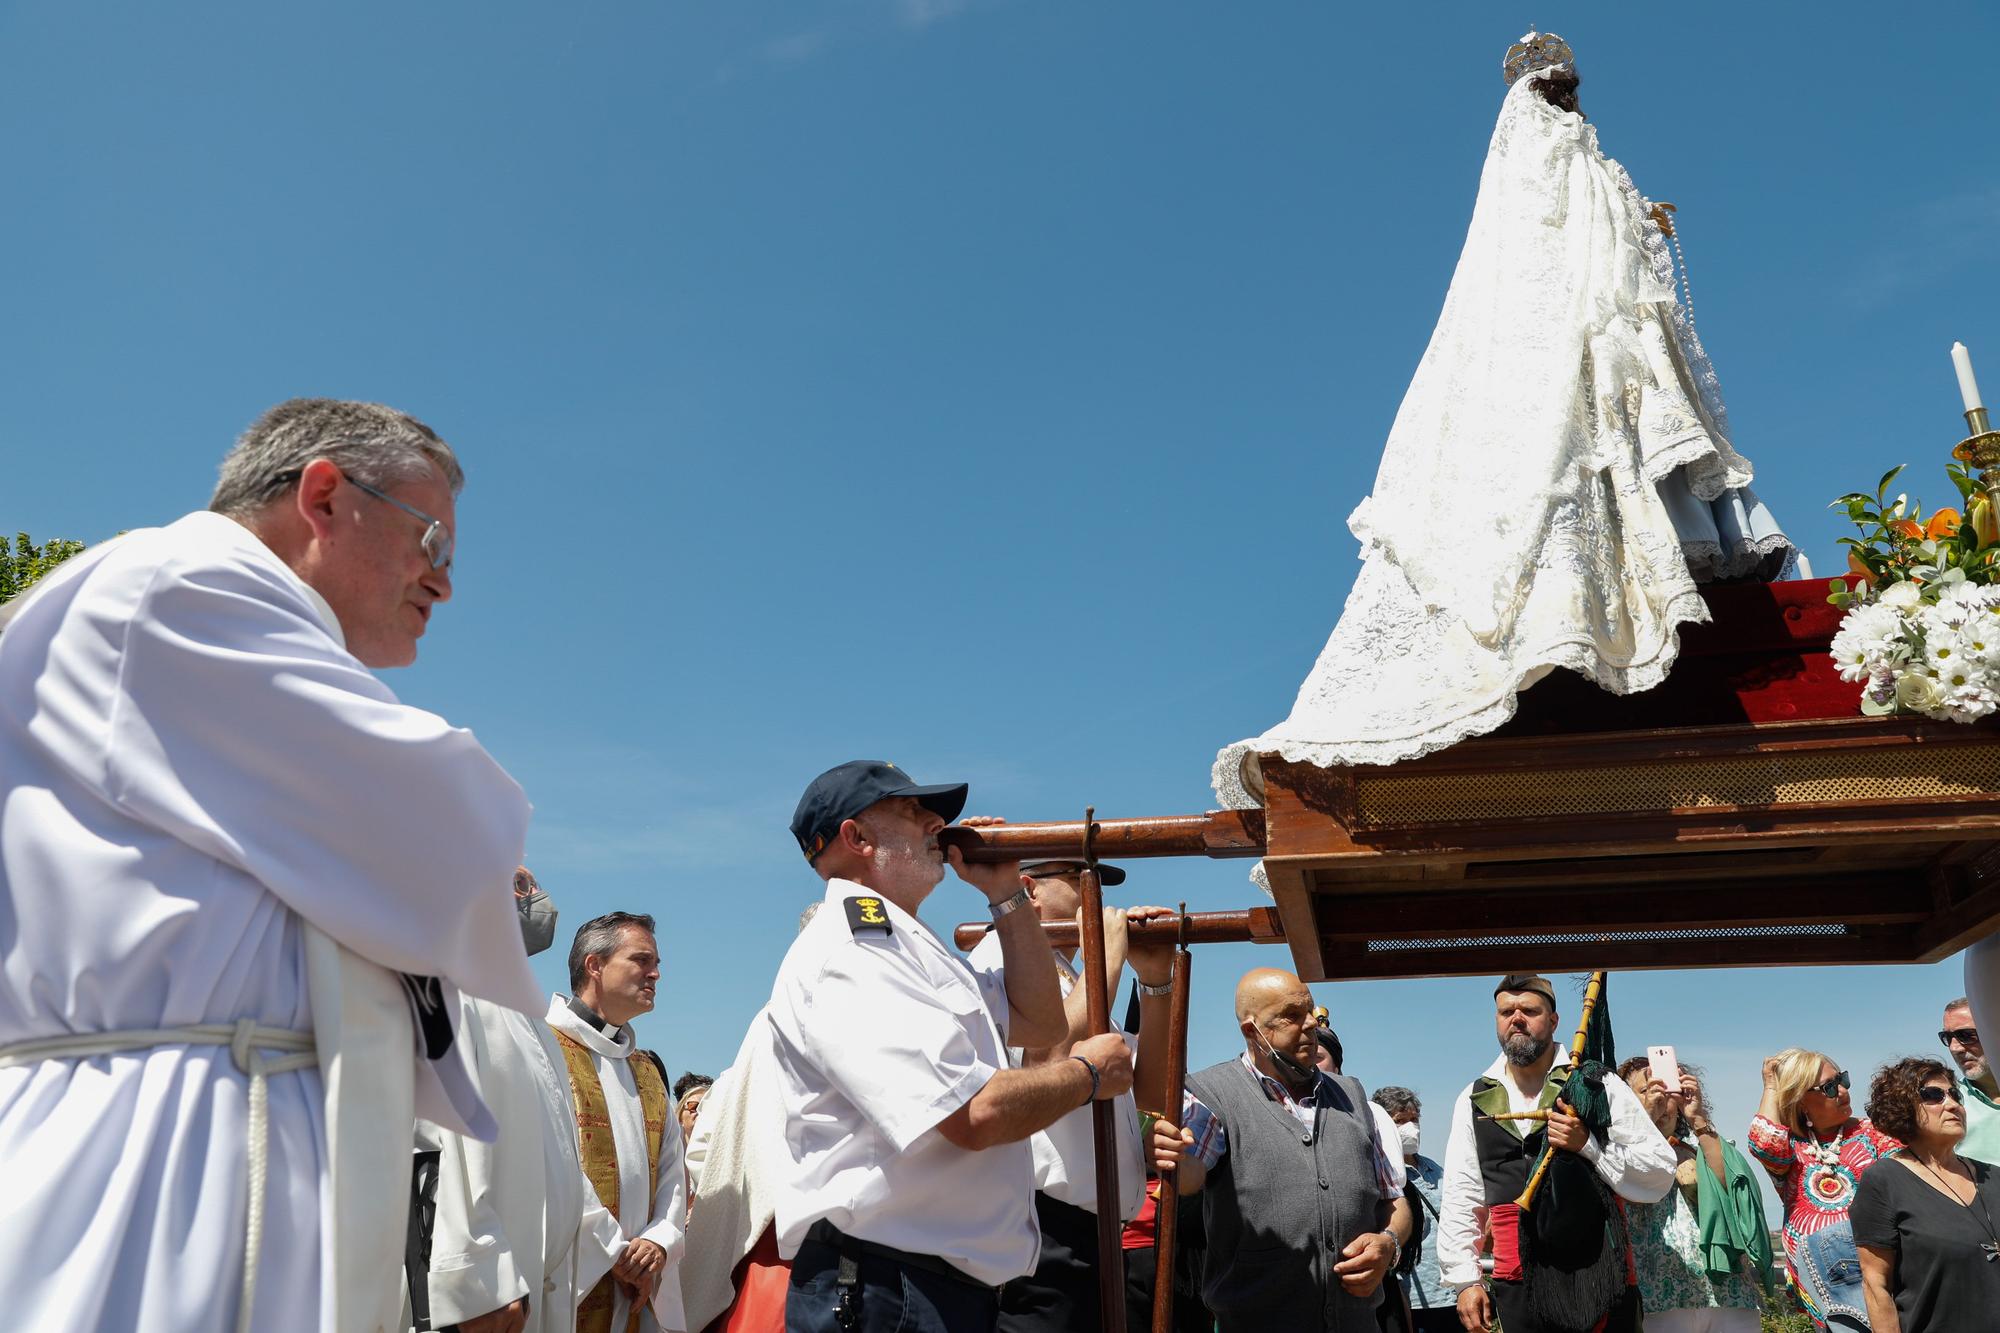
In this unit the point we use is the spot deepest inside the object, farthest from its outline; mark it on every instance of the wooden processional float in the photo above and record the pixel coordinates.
(1741, 814)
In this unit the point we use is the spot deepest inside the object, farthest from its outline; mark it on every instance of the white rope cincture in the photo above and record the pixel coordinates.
(247, 1041)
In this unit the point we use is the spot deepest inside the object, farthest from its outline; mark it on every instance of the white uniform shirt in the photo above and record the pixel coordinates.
(1637, 1163)
(879, 1038)
(1066, 1152)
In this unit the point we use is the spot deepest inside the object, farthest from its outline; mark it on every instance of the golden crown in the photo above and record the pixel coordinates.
(1536, 50)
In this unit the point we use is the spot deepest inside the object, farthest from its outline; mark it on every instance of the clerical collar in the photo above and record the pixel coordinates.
(589, 1015)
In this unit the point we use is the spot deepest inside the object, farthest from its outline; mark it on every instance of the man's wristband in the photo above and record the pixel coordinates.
(1164, 988)
(1396, 1246)
(1008, 906)
(1094, 1081)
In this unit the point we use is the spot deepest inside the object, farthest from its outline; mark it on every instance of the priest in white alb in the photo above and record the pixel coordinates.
(241, 889)
(629, 1139)
(520, 1234)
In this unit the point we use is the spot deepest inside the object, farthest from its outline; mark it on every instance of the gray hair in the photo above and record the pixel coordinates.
(375, 445)
(812, 910)
(1394, 1099)
(1961, 1002)
(598, 938)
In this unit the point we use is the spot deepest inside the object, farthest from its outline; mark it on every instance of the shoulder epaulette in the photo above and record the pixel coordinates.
(865, 915)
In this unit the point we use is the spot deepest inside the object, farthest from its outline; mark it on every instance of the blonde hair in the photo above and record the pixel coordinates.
(1798, 1071)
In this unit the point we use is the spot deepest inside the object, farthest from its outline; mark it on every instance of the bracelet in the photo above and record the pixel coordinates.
(1093, 1078)
(1008, 906)
(1397, 1257)
(1164, 988)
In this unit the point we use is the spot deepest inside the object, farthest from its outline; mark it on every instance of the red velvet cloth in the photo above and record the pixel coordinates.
(761, 1279)
(1763, 658)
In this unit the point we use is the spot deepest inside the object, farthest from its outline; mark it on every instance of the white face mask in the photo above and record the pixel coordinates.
(1409, 1134)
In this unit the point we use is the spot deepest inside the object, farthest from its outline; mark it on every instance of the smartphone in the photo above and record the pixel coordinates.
(1660, 1065)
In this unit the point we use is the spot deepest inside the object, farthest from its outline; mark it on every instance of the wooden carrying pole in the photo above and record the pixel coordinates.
(1103, 1113)
(1166, 1218)
(1250, 925)
(1591, 994)
(1218, 834)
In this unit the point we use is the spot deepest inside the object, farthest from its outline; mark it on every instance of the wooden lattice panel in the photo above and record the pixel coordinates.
(1851, 840)
(1838, 777)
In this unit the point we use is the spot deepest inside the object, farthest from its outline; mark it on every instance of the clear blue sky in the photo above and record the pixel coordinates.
(978, 385)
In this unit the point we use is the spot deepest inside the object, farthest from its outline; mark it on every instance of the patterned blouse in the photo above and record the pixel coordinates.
(1816, 1177)
(1666, 1249)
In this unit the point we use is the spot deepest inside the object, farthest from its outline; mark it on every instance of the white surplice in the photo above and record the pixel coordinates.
(516, 1217)
(211, 812)
(646, 1211)
(735, 1157)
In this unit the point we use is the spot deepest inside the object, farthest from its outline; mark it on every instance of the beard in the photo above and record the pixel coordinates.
(1522, 1049)
(912, 865)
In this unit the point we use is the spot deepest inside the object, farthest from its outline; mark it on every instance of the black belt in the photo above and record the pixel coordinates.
(853, 1248)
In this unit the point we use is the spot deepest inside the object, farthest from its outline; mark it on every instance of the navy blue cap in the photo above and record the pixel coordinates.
(839, 794)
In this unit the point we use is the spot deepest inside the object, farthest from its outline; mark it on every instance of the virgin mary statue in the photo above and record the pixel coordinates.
(1559, 478)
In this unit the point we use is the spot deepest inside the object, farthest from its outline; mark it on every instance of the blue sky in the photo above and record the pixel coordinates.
(978, 385)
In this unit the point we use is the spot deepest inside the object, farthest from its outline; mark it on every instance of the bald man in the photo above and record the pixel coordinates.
(1302, 1201)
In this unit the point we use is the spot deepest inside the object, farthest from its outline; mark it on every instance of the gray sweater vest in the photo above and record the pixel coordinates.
(1283, 1203)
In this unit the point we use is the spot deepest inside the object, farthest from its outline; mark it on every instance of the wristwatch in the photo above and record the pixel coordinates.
(1008, 906)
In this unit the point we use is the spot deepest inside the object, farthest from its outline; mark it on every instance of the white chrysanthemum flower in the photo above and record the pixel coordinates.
(1978, 640)
(1869, 641)
(1968, 695)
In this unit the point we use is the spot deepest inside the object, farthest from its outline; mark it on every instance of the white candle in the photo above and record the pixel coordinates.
(1968, 387)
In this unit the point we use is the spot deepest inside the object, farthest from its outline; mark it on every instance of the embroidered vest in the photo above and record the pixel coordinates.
(600, 1154)
(1508, 1148)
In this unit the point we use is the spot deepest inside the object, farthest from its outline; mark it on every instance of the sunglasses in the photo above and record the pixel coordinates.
(1963, 1036)
(1936, 1096)
(1832, 1087)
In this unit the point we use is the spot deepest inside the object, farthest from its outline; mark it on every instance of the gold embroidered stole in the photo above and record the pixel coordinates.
(600, 1154)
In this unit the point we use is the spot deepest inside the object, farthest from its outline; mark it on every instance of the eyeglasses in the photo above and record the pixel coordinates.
(1832, 1087)
(1935, 1096)
(1963, 1036)
(438, 539)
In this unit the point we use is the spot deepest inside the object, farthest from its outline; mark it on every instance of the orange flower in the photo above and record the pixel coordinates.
(1984, 521)
(1854, 566)
(1907, 527)
(1943, 523)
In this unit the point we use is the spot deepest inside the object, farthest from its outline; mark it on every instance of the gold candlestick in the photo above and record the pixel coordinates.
(1981, 449)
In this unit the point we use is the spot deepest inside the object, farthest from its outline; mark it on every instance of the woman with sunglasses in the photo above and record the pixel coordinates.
(1928, 1225)
(1816, 1152)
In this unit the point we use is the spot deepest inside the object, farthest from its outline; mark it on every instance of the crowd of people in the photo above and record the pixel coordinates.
(254, 937)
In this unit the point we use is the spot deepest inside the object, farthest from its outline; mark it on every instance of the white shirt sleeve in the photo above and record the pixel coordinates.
(696, 1152)
(1636, 1160)
(895, 1046)
(1389, 1152)
(668, 1227)
(1462, 1212)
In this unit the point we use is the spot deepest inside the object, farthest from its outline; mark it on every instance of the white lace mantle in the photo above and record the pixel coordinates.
(1516, 524)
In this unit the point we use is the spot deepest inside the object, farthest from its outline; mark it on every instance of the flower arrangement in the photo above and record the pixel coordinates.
(1923, 612)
